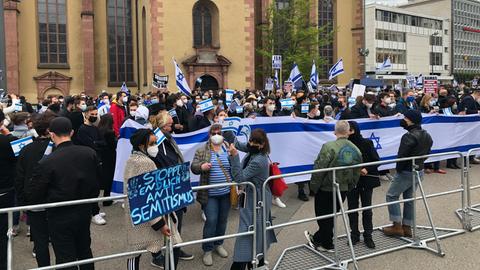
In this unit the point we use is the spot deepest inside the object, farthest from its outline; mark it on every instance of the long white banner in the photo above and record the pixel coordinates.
(296, 142)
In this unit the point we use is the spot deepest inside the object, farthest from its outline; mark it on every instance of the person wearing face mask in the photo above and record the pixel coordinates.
(269, 109)
(212, 164)
(406, 102)
(183, 113)
(364, 109)
(149, 235)
(254, 168)
(364, 189)
(342, 111)
(118, 110)
(416, 142)
(428, 104)
(89, 135)
(313, 111)
(168, 155)
(383, 109)
(76, 116)
(132, 109)
(70, 172)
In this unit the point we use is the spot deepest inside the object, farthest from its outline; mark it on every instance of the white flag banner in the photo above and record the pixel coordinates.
(181, 81)
(18, 145)
(296, 142)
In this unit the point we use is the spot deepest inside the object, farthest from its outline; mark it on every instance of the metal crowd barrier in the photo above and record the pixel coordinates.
(337, 263)
(169, 250)
(469, 214)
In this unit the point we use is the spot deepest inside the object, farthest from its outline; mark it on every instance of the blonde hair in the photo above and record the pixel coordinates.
(159, 120)
(342, 128)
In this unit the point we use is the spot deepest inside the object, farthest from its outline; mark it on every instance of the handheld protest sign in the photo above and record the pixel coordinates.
(229, 96)
(305, 107)
(288, 86)
(287, 103)
(159, 193)
(159, 81)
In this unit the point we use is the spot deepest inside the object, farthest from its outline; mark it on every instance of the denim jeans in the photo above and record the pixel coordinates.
(401, 184)
(216, 211)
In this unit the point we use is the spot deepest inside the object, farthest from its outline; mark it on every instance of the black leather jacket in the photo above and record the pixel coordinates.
(416, 142)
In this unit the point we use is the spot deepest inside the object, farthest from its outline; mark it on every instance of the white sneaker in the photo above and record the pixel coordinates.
(99, 220)
(102, 214)
(204, 218)
(221, 251)
(207, 258)
(278, 203)
(28, 231)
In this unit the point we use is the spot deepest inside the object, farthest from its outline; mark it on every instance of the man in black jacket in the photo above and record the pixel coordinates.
(470, 104)
(7, 193)
(416, 142)
(369, 180)
(363, 109)
(71, 172)
(28, 159)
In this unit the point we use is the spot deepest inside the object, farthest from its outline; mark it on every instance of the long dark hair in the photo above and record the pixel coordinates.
(106, 124)
(259, 136)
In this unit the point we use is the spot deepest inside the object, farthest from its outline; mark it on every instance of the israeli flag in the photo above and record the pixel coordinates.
(419, 82)
(305, 107)
(181, 80)
(160, 137)
(287, 103)
(124, 88)
(314, 76)
(18, 107)
(206, 105)
(49, 149)
(386, 64)
(239, 109)
(173, 113)
(231, 124)
(411, 81)
(229, 96)
(296, 77)
(276, 80)
(19, 144)
(336, 70)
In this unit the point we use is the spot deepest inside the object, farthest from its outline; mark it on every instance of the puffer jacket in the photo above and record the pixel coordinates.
(340, 152)
(416, 142)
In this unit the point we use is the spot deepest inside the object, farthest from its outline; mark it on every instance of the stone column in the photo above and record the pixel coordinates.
(11, 47)
(87, 16)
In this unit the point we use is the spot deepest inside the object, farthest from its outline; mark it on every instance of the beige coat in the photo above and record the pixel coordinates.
(142, 236)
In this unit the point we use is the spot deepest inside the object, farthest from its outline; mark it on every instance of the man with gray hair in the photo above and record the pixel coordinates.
(340, 152)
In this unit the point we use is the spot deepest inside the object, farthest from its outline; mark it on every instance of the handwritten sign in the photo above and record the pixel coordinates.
(159, 193)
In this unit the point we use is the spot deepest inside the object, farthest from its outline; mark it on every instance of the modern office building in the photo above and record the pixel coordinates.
(464, 18)
(415, 43)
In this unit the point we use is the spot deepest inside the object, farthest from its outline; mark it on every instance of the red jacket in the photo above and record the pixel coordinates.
(118, 114)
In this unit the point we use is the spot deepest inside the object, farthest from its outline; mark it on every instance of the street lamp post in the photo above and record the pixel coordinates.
(435, 34)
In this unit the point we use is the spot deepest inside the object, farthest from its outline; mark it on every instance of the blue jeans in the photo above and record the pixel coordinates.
(216, 211)
(401, 184)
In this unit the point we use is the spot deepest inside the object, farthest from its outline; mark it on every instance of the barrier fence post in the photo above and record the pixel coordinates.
(429, 215)
(466, 201)
(334, 201)
(414, 203)
(10, 240)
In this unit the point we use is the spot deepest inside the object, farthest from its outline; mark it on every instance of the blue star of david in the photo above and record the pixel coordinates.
(21, 145)
(180, 77)
(376, 140)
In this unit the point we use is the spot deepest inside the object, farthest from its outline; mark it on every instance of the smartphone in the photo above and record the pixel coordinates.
(242, 199)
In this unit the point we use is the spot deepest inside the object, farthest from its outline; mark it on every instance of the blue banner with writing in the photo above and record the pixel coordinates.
(159, 192)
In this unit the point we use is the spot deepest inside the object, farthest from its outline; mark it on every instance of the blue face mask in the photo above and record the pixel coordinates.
(410, 99)
(154, 101)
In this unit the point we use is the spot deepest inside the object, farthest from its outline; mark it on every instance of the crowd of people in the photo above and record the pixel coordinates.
(73, 156)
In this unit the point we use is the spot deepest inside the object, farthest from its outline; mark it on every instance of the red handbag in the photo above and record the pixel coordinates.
(277, 186)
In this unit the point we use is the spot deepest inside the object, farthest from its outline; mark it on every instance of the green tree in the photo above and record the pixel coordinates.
(290, 32)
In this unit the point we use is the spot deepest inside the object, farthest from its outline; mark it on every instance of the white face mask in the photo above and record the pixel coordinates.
(152, 151)
(125, 99)
(216, 139)
(271, 107)
(184, 101)
(179, 103)
(317, 114)
(388, 100)
(132, 113)
(221, 119)
(254, 104)
(106, 101)
(83, 107)
(392, 105)
(260, 105)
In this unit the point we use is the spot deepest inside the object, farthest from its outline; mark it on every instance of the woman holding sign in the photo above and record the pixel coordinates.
(211, 162)
(254, 168)
(148, 235)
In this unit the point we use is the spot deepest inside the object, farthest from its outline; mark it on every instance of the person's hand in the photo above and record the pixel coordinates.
(293, 115)
(398, 114)
(206, 167)
(165, 230)
(363, 172)
(232, 151)
(374, 116)
(4, 130)
(178, 126)
(462, 113)
(13, 96)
